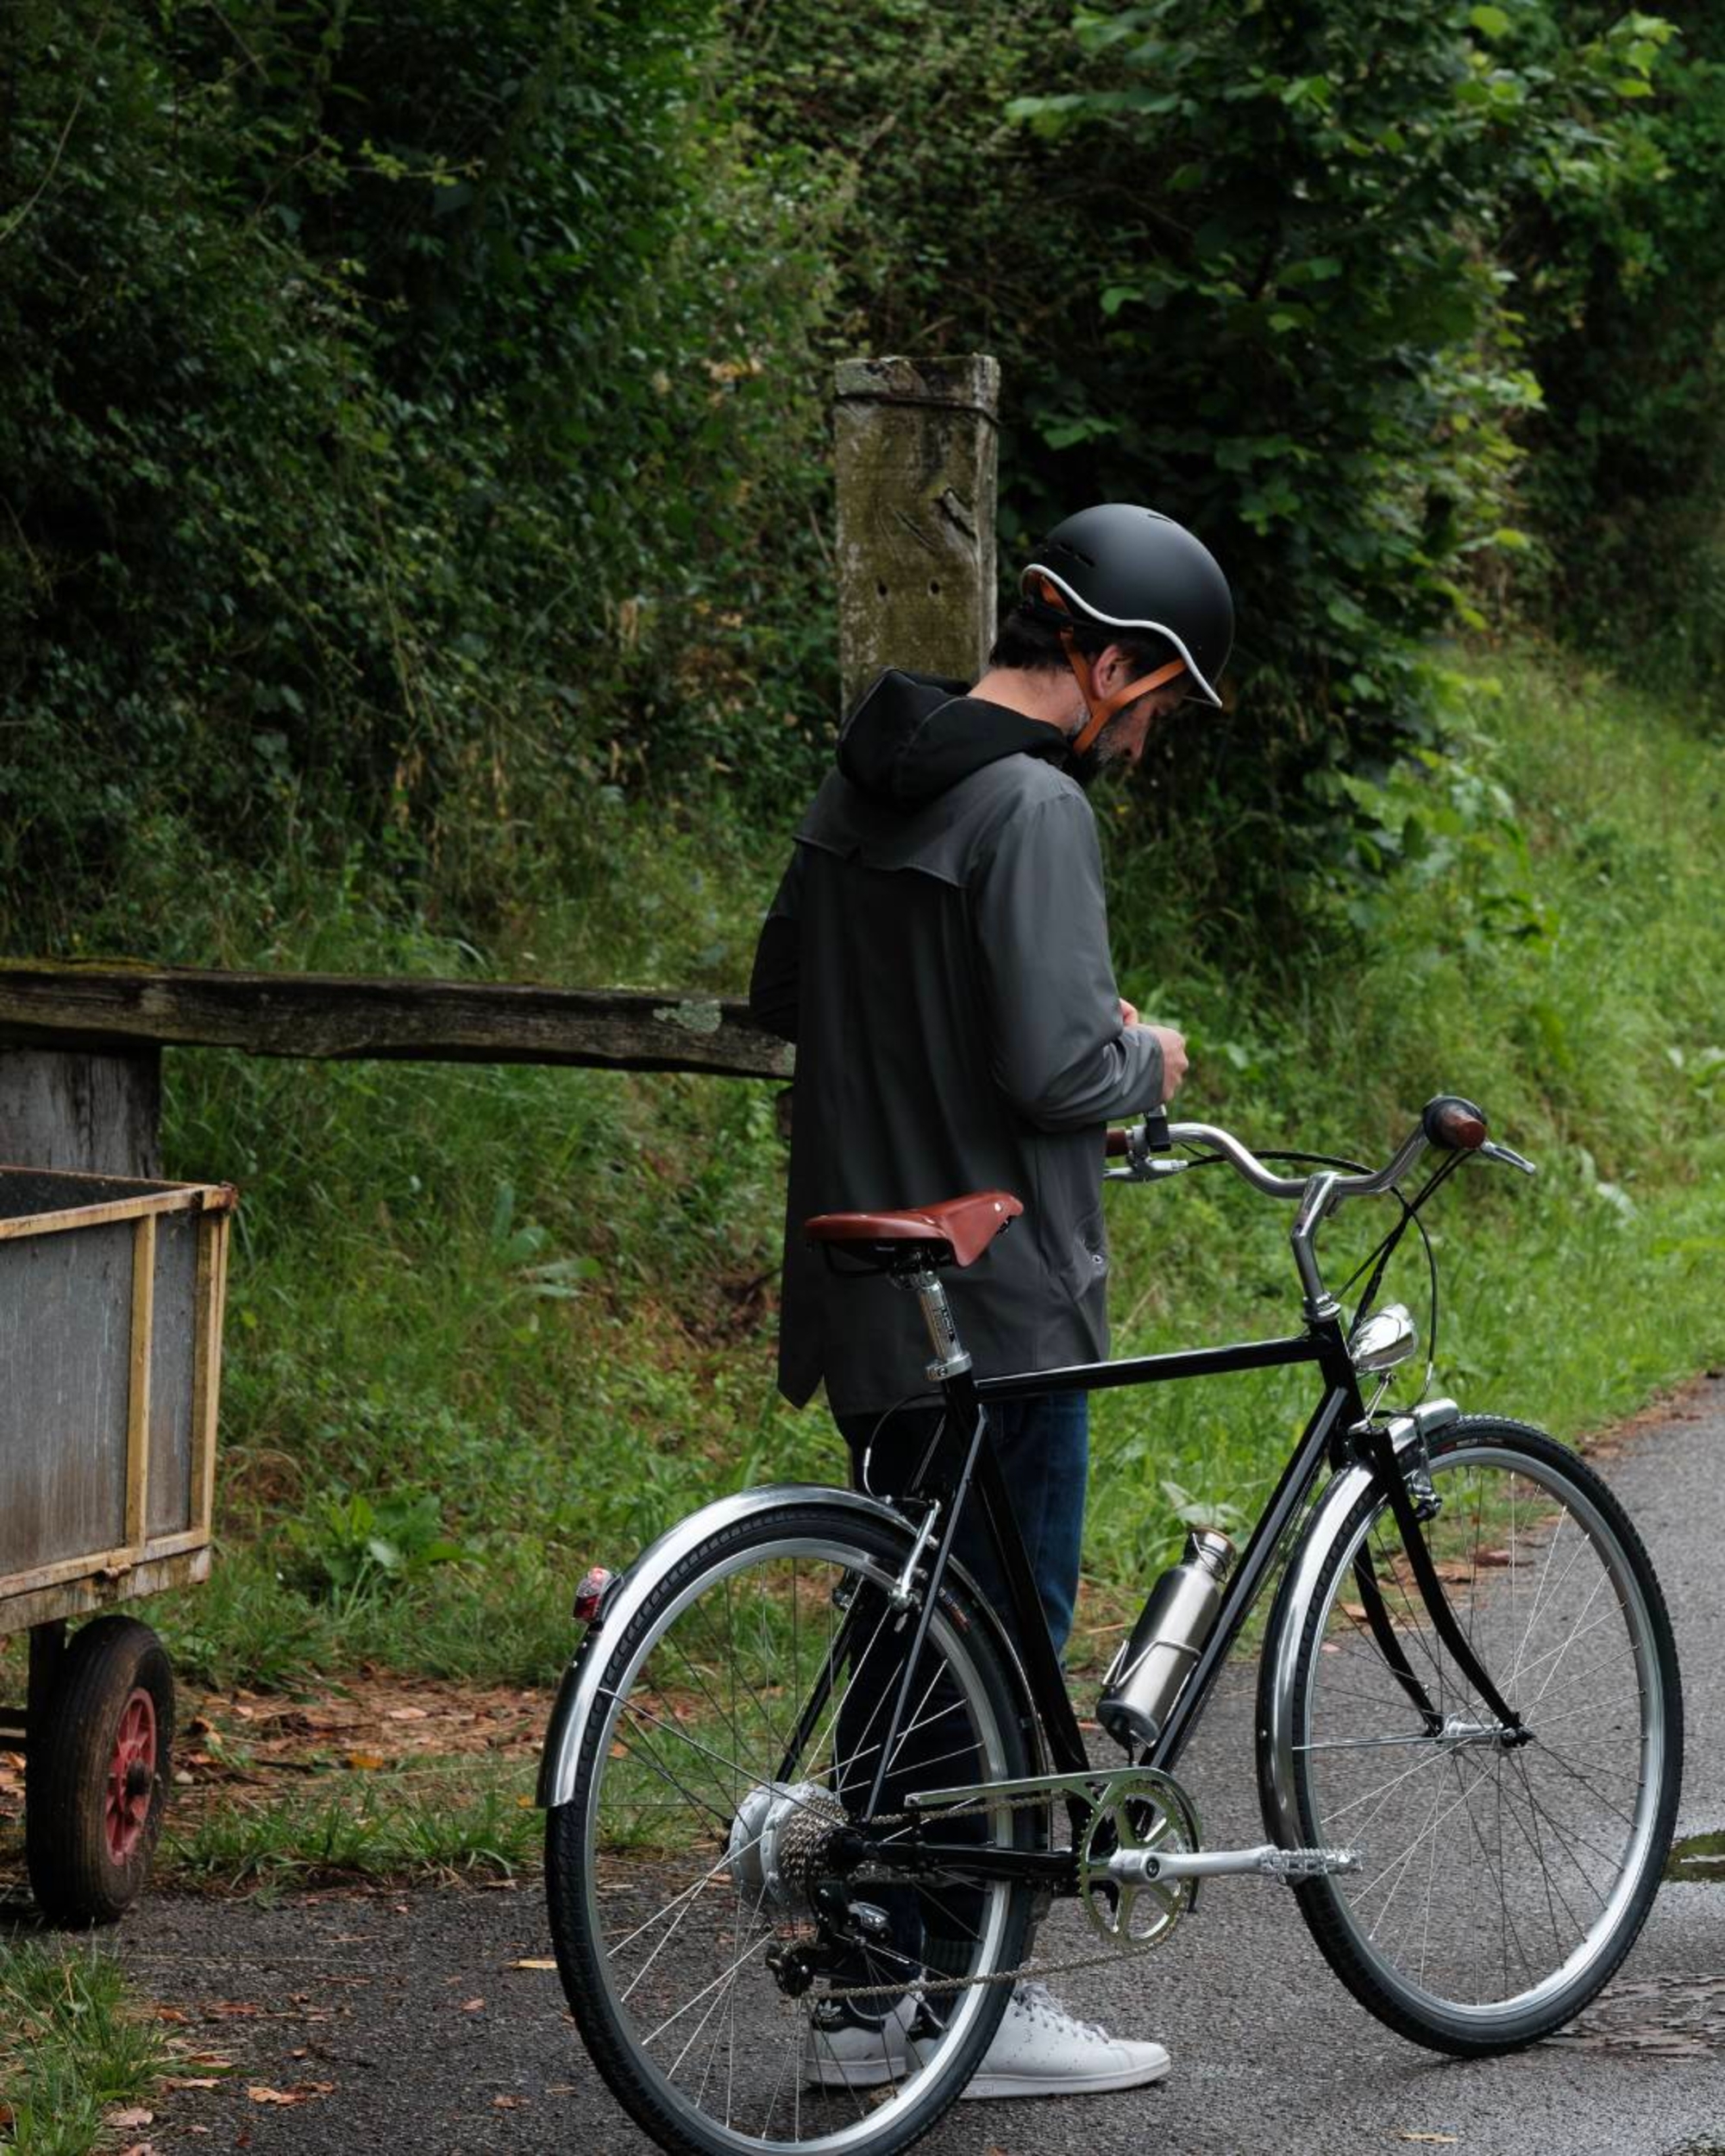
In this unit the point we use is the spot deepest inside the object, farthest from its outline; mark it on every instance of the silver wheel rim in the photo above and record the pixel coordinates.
(792, 2104)
(1477, 1812)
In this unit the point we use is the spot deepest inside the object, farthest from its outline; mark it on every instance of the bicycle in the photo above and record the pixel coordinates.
(798, 1771)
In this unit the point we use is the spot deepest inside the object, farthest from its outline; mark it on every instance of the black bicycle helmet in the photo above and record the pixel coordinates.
(1120, 567)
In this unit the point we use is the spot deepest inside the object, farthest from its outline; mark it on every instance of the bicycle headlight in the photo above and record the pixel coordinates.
(1386, 1337)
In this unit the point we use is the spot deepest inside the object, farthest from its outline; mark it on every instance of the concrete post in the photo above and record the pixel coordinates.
(916, 460)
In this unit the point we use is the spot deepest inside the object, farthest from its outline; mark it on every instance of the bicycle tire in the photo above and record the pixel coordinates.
(1528, 1868)
(647, 1765)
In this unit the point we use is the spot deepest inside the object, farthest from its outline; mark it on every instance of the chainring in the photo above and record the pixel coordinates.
(1139, 1812)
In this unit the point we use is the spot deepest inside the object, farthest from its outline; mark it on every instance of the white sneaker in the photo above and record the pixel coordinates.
(841, 2051)
(1041, 2049)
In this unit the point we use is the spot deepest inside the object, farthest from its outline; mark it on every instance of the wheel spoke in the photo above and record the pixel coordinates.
(750, 1710)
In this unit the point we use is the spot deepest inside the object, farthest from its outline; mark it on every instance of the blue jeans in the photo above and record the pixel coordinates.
(1044, 1447)
(1043, 1444)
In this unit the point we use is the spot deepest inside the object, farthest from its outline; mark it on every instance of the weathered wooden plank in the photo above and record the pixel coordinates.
(342, 1017)
(61, 1106)
(77, 1598)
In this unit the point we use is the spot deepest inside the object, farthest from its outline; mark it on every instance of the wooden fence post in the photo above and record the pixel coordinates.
(67, 1108)
(916, 460)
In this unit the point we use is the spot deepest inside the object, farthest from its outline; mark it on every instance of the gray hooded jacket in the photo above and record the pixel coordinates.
(938, 953)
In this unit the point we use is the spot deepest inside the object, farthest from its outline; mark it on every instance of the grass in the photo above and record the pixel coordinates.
(544, 1297)
(457, 1819)
(71, 2050)
(532, 1310)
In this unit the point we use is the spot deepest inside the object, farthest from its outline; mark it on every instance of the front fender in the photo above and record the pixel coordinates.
(1277, 1735)
(580, 1686)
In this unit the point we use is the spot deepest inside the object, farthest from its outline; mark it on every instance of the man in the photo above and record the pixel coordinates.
(938, 951)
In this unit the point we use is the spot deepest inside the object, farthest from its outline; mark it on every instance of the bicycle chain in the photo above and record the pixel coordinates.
(1033, 1969)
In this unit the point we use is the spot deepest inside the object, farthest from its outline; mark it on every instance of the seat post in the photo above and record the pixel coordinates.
(951, 1358)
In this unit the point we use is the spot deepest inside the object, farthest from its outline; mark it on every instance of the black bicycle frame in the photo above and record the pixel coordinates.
(964, 1464)
(966, 1396)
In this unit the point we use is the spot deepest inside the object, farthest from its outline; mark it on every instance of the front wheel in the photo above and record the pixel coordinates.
(1501, 1881)
(741, 1981)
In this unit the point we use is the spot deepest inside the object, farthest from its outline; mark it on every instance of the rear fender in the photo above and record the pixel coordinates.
(623, 1603)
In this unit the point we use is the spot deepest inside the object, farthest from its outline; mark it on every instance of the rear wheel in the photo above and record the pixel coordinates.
(1501, 1882)
(741, 1982)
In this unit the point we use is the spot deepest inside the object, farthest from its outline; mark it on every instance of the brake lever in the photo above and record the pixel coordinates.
(1492, 1151)
(1149, 1171)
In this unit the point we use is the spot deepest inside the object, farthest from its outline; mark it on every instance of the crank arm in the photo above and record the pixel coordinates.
(1138, 1867)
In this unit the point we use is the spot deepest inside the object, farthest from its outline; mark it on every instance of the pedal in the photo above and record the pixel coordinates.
(1309, 1863)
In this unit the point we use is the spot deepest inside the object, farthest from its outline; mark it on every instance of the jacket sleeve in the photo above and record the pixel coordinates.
(1057, 1047)
(773, 985)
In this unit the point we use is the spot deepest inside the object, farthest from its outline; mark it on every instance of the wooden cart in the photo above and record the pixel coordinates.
(111, 1350)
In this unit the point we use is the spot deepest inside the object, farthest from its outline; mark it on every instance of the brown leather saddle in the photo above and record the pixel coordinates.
(956, 1232)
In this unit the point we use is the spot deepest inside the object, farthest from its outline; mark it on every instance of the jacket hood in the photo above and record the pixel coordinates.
(913, 736)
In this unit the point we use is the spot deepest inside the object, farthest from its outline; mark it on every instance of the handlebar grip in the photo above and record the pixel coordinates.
(1457, 1125)
(1155, 1138)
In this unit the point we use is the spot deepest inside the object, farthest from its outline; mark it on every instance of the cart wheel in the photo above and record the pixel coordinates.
(96, 1775)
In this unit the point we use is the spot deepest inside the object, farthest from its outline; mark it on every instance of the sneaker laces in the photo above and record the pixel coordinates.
(1032, 1997)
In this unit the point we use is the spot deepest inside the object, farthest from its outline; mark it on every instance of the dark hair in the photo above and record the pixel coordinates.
(1029, 643)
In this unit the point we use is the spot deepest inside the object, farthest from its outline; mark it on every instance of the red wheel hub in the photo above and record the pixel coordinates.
(131, 1777)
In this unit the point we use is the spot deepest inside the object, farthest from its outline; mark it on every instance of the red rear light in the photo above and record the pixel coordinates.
(591, 1593)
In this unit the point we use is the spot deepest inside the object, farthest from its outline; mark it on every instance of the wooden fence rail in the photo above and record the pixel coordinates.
(107, 1008)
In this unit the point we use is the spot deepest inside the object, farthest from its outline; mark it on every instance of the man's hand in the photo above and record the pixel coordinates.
(1173, 1049)
(1173, 1059)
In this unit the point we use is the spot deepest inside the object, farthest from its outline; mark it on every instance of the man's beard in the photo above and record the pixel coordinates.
(1104, 754)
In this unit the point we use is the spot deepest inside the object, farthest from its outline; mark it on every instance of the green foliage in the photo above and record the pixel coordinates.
(1246, 264)
(385, 444)
(71, 2048)
(1623, 290)
(349, 1547)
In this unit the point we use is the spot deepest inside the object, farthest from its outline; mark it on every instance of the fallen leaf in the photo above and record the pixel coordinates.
(473, 2006)
(137, 2115)
(170, 2013)
(407, 1714)
(192, 2081)
(139, 2148)
(365, 1762)
(302, 2092)
(509, 2103)
(533, 1962)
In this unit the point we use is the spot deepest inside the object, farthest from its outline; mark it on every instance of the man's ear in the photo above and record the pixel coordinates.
(1112, 670)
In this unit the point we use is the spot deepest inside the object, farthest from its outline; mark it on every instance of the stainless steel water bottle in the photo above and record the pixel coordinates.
(1144, 1677)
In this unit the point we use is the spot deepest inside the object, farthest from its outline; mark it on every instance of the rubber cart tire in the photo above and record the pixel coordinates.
(98, 1774)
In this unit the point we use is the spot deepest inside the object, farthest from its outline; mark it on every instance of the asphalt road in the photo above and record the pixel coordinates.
(399, 2021)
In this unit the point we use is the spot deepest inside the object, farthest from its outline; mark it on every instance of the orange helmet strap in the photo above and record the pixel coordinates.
(1101, 709)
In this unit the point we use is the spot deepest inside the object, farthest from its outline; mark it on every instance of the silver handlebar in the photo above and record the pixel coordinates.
(1319, 1193)
(1247, 1164)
